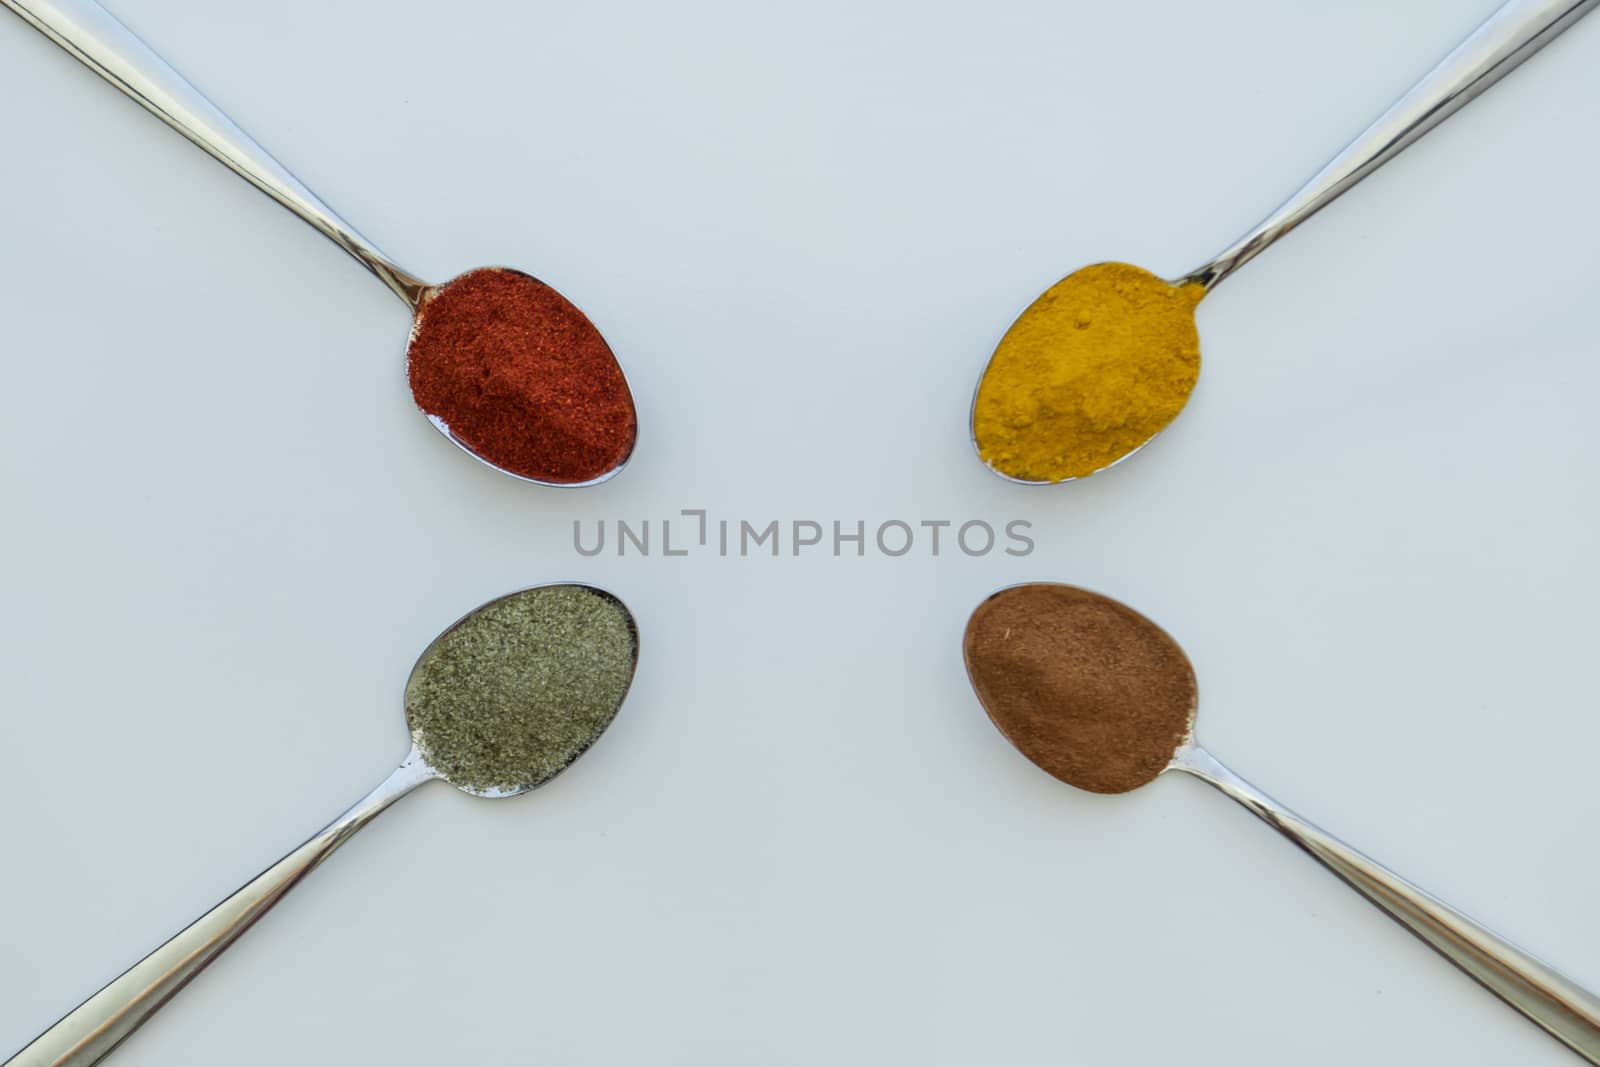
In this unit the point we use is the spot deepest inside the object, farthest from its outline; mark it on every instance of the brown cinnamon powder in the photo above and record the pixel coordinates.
(1087, 688)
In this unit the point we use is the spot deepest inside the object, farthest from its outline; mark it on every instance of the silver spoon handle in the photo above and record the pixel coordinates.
(88, 1033)
(1565, 1009)
(107, 47)
(1507, 38)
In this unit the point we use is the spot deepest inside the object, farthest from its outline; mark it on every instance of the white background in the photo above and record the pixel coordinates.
(226, 533)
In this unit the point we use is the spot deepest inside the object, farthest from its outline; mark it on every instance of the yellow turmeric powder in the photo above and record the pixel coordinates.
(1096, 367)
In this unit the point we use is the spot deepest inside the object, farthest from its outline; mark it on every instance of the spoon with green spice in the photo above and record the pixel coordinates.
(1106, 358)
(500, 703)
(1100, 697)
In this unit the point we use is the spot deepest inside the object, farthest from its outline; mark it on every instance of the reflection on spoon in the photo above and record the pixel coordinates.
(500, 407)
(1106, 358)
(500, 703)
(1102, 698)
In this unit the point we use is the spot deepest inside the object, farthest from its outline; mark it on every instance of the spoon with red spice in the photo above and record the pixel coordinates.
(1102, 698)
(501, 363)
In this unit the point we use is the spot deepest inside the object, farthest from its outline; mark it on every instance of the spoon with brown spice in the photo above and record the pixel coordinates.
(501, 364)
(1100, 697)
(501, 702)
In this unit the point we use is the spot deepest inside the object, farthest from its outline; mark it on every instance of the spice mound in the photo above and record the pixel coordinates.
(512, 694)
(1095, 368)
(521, 377)
(1090, 690)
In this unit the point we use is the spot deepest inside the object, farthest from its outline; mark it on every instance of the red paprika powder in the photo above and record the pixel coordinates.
(521, 377)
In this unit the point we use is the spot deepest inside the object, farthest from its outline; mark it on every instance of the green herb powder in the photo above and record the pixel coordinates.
(512, 694)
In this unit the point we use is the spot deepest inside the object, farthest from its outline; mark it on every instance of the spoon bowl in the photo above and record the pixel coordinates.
(583, 645)
(1100, 697)
(1087, 375)
(516, 376)
(1091, 691)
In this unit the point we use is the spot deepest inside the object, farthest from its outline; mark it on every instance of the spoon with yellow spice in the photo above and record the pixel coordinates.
(1107, 357)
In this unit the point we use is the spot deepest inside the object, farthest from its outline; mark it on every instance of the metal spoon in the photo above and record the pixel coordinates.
(92, 1030)
(96, 39)
(1068, 734)
(1501, 44)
